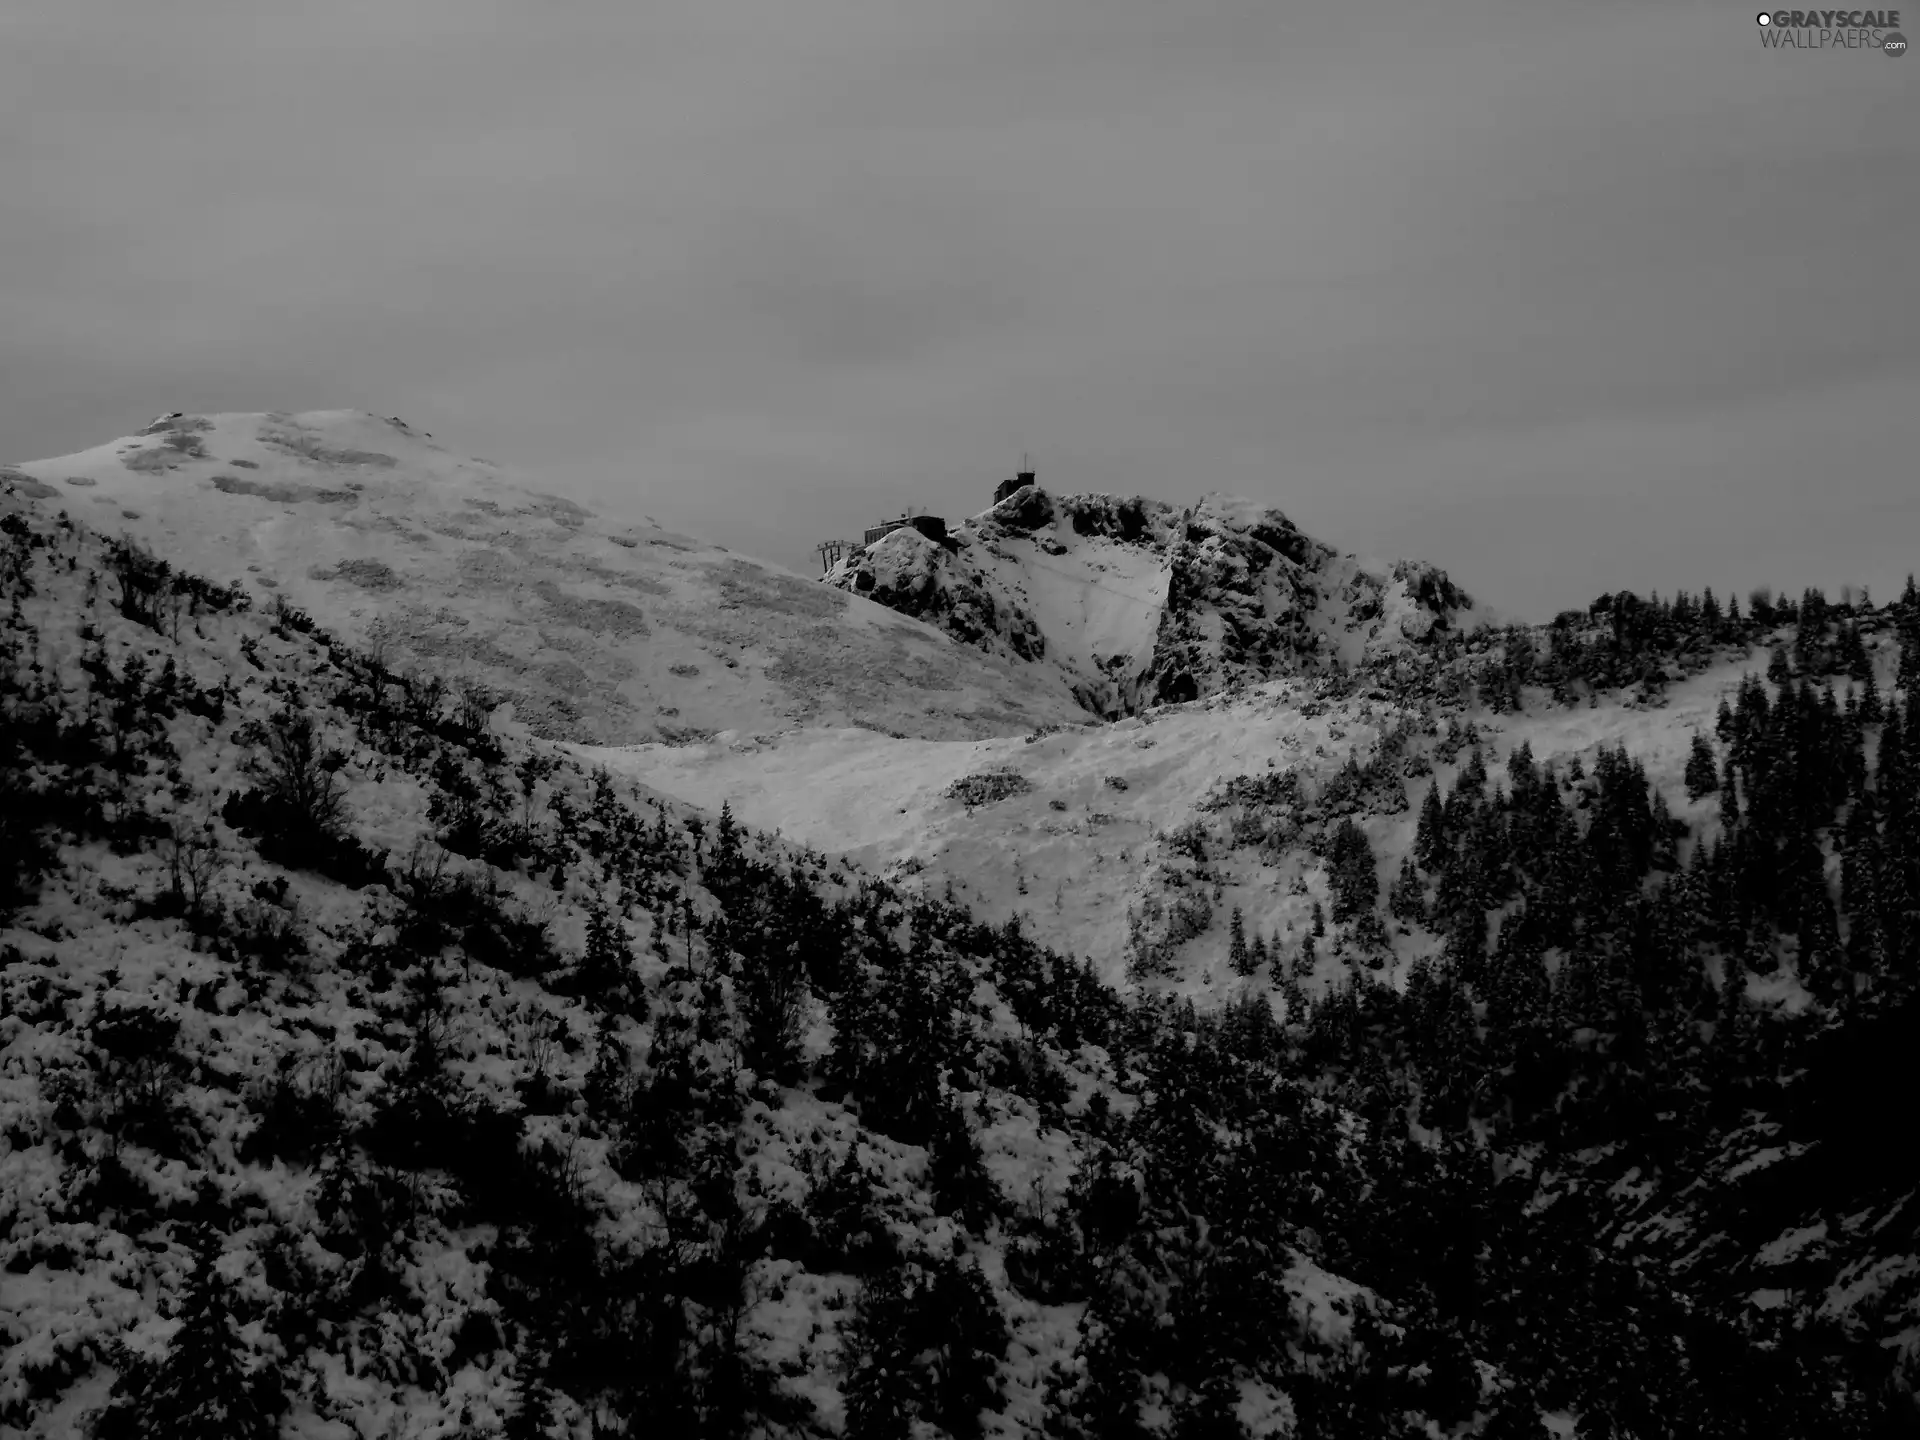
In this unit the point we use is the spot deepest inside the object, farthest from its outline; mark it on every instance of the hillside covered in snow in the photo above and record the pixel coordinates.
(594, 627)
(1134, 602)
(1503, 1032)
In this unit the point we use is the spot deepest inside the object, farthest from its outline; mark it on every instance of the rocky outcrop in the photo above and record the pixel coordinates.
(907, 572)
(1135, 602)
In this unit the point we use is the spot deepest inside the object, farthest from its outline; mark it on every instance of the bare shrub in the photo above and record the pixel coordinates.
(987, 787)
(268, 933)
(297, 806)
(298, 772)
(145, 587)
(1189, 840)
(192, 857)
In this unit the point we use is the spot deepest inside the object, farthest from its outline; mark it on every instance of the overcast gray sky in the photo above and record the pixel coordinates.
(1562, 297)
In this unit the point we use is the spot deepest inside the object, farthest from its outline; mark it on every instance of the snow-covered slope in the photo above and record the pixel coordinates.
(595, 627)
(1096, 835)
(378, 1071)
(1134, 602)
(368, 1130)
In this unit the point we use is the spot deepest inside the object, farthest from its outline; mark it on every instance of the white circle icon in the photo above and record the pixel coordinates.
(1764, 18)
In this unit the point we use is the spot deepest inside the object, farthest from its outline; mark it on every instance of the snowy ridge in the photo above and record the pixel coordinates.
(592, 626)
(1133, 602)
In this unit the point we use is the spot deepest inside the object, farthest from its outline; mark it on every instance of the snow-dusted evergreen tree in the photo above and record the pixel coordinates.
(531, 1417)
(1429, 840)
(1702, 774)
(1906, 621)
(1306, 957)
(1406, 899)
(963, 1339)
(879, 1379)
(1356, 884)
(1239, 957)
(203, 1387)
(957, 1170)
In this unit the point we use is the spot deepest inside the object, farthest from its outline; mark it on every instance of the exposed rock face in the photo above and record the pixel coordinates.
(909, 573)
(1134, 602)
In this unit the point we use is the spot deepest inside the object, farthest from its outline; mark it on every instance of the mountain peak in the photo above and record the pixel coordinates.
(1133, 602)
(597, 627)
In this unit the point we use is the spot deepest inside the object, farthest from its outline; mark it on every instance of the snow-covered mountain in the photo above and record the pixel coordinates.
(592, 626)
(1135, 602)
(1469, 1023)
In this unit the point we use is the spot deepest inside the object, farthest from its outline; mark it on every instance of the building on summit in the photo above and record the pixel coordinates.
(1013, 486)
(831, 552)
(931, 526)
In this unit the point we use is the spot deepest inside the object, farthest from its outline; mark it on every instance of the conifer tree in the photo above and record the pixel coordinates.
(1809, 638)
(1666, 832)
(1429, 837)
(609, 1085)
(1306, 959)
(879, 1383)
(605, 971)
(1861, 864)
(531, 1417)
(1239, 957)
(964, 1337)
(1892, 785)
(1908, 676)
(1852, 653)
(1871, 711)
(1452, 1390)
(1514, 1415)
(1407, 899)
(913, 1043)
(1105, 1404)
(1522, 775)
(1355, 882)
(1702, 776)
(1473, 775)
(957, 1169)
(1209, 1413)
(1729, 1038)
(852, 1011)
(772, 990)
(201, 1389)
(724, 868)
